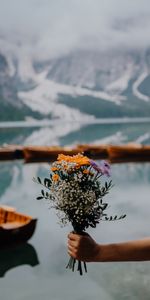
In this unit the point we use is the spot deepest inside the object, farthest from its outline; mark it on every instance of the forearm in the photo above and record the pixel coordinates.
(138, 250)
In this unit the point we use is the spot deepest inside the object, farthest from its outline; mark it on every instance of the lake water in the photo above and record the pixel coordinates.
(37, 270)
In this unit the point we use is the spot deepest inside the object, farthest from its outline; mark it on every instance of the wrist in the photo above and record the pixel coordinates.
(97, 253)
(104, 253)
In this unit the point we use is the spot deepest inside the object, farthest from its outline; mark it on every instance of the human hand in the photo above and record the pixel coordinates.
(82, 247)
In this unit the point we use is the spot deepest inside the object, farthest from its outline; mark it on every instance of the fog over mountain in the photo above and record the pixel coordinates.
(72, 60)
(48, 28)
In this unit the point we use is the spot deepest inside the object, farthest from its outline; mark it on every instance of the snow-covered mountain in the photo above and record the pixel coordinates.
(82, 85)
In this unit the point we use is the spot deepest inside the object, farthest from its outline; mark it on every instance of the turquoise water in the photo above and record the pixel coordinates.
(37, 270)
(73, 133)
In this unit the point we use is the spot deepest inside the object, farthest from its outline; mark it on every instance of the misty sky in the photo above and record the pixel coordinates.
(48, 28)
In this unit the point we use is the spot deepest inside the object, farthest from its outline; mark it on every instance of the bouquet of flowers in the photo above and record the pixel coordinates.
(76, 191)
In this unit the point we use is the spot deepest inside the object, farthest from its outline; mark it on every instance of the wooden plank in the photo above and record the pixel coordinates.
(11, 152)
(113, 153)
(129, 153)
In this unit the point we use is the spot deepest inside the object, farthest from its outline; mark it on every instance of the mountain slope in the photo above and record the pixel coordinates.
(11, 106)
(83, 84)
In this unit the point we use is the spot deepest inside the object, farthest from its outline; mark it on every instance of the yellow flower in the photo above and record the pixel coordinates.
(55, 177)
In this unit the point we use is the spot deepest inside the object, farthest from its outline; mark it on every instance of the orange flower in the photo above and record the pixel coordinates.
(55, 177)
(62, 157)
(78, 159)
(77, 167)
(65, 167)
(54, 169)
(86, 171)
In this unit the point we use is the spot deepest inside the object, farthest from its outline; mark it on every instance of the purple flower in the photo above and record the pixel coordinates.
(95, 166)
(103, 167)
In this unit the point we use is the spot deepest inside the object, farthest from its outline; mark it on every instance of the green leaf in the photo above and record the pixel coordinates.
(47, 182)
(42, 192)
(110, 183)
(122, 217)
(39, 179)
(104, 206)
(93, 225)
(39, 198)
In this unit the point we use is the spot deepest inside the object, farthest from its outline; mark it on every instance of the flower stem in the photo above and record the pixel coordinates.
(80, 267)
(71, 265)
(72, 261)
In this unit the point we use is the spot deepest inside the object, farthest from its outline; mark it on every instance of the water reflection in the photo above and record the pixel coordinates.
(24, 254)
(50, 279)
(70, 133)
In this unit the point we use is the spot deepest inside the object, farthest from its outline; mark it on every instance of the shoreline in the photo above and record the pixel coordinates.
(47, 123)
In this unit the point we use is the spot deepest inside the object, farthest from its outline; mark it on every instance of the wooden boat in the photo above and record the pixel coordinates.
(12, 257)
(15, 227)
(45, 153)
(129, 153)
(94, 151)
(11, 152)
(114, 153)
(49, 154)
